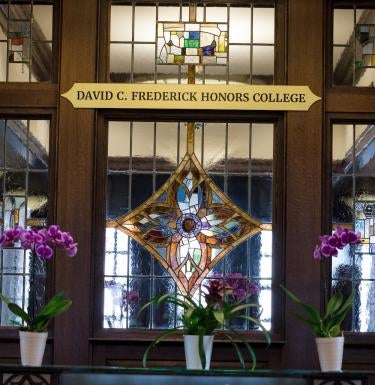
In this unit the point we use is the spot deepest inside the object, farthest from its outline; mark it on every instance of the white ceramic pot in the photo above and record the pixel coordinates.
(192, 357)
(330, 351)
(32, 345)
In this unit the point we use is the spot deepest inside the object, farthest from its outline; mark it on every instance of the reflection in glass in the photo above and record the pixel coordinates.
(354, 207)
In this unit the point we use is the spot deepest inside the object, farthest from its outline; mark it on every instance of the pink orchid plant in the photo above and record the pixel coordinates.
(40, 241)
(328, 323)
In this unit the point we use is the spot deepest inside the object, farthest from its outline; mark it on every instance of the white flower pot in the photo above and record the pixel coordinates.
(330, 351)
(32, 345)
(193, 360)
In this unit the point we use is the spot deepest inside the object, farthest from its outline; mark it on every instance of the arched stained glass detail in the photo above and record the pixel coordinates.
(188, 225)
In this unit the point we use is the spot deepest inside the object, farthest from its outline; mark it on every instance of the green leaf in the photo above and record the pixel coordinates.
(5, 299)
(15, 309)
(156, 341)
(219, 315)
(202, 353)
(236, 348)
(266, 333)
(333, 305)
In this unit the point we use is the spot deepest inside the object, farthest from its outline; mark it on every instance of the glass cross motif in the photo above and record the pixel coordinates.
(192, 43)
(188, 225)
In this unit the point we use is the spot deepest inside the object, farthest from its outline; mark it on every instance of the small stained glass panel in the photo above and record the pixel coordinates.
(192, 43)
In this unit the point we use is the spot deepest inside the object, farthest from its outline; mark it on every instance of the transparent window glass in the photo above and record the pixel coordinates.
(354, 46)
(24, 154)
(26, 40)
(353, 184)
(142, 50)
(142, 156)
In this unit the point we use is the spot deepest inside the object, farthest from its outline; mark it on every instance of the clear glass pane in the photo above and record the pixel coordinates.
(264, 25)
(343, 66)
(19, 11)
(41, 63)
(261, 147)
(13, 261)
(164, 314)
(141, 188)
(116, 262)
(139, 259)
(120, 62)
(38, 144)
(14, 211)
(15, 183)
(18, 72)
(365, 149)
(240, 25)
(214, 146)
(143, 145)
(167, 74)
(342, 199)
(364, 307)
(121, 23)
(143, 287)
(239, 64)
(265, 300)
(166, 146)
(144, 63)
(169, 13)
(238, 147)
(118, 141)
(216, 14)
(215, 75)
(263, 64)
(15, 139)
(342, 148)
(261, 198)
(338, 56)
(365, 77)
(115, 312)
(365, 263)
(238, 191)
(343, 26)
(365, 188)
(42, 23)
(117, 195)
(3, 61)
(12, 286)
(261, 255)
(144, 23)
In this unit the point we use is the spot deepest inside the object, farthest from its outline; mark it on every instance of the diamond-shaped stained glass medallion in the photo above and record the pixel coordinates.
(188, 225)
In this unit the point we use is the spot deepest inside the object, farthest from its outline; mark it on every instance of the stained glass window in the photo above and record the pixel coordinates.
(24, 153)
(353, 45)
(192, 43)
(354, 207)
(142, 156)
(26, 40)
(247, 30)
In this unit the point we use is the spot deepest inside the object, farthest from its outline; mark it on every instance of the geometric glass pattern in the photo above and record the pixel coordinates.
(188, 225)
(192, 43)
(365, 34)
(365, 223)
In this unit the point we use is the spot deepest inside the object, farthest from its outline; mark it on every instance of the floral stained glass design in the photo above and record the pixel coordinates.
(188, 225)
(192, 43)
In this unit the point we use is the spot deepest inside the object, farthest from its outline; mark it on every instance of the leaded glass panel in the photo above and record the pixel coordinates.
(156, 43)
(23, 201)
(247, 182)
(354, 45)
(26, 40)
(354, 207)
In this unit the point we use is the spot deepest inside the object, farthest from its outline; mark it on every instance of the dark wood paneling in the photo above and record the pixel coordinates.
(75, 179)
(343, 99)
(26, 95)
(303, 176)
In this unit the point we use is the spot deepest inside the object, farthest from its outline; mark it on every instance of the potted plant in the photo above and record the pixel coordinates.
(326, 325)
(201, 320)
(33, 324)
